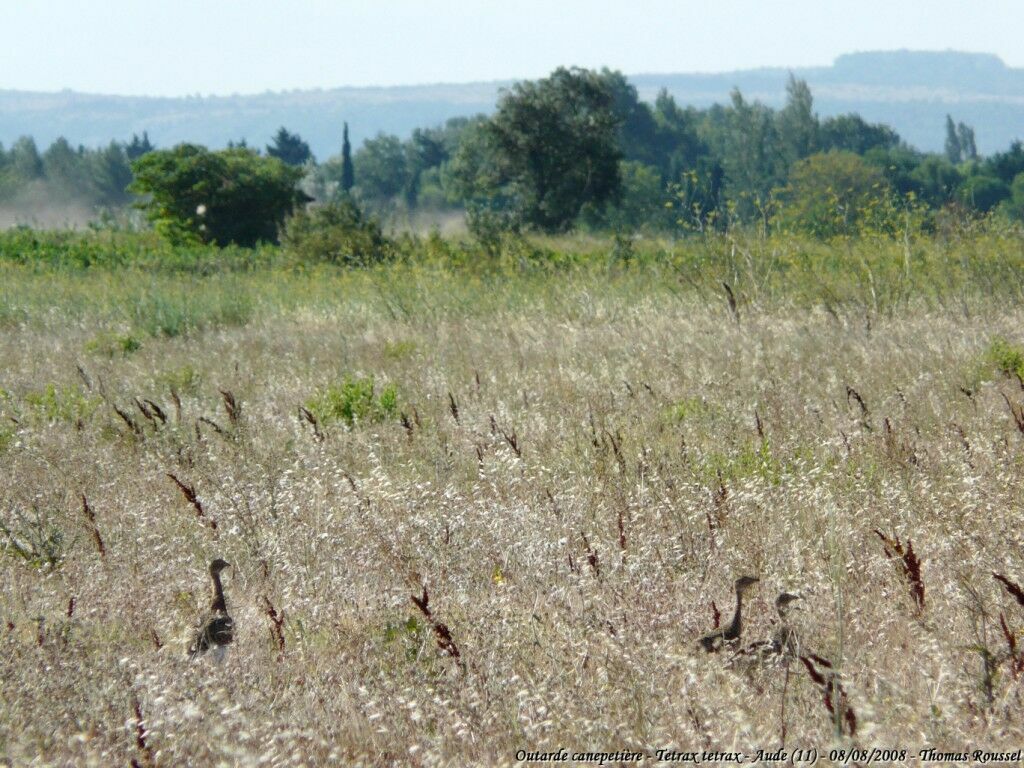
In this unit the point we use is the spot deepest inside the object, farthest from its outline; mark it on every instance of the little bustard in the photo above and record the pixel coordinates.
(786, 639)
(730, 634)
(785, 642)
(217, 629)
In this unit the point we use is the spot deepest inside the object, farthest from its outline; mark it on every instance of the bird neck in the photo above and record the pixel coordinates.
(218, 604)
(739, 609)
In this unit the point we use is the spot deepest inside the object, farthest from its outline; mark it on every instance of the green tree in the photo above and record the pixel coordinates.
(898, 165)
(641, 205)
(854, 134)
(968, 146)
(110, 173)
(750, 156)
(230, 196)
(70, 173)
(25, 160)
(796, 123)
(831, 194)
(1014, 206)
(475, 175)
(138, 147)
(984, 192)
(556, 144)
(954, 152)
(289, 148)
(1006, 165)
(638, 135)
(348, 175)
(679, 146)
(382, 168)
(425, 151)
(936, 180)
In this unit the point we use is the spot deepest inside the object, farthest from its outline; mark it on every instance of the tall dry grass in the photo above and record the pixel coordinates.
(524, 555)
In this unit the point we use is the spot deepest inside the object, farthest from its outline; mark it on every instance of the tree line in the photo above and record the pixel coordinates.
(578, 148)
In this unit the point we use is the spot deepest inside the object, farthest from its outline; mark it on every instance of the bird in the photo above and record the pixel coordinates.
(785, 639)
(216, 630)
(784, 643)
(730, 634)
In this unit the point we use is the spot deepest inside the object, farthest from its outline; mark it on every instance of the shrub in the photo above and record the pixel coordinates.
(492, 227)
(984, 192)
(6, 437)
(195, 195)
(354, 400)
(337, 233)
(34, 538)
(1006, 358)
(830, 194)
(184, 380)
(64, 404)
(111, 344)
(398, 350)
(685, 409)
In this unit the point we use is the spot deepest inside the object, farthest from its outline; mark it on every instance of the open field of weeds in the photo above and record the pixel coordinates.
(566, 467)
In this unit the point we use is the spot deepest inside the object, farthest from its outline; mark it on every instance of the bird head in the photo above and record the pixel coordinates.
(218, 565)
(743, 583)
(784, 601)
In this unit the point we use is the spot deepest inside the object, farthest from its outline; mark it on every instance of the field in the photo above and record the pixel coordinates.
(566, 452)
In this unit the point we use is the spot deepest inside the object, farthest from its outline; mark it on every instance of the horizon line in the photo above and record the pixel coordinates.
(495, 82)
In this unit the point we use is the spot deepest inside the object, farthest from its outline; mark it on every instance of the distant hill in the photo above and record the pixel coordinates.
(911, 91)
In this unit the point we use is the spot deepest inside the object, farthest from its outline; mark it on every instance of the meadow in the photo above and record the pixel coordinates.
(565, 449)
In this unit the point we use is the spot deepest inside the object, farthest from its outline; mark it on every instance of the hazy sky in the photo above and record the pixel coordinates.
(236, 46)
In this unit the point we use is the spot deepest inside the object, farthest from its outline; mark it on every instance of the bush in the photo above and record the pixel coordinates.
(231, 196)
(34, 539)
(111, 344)
(64, 404)
(1006, 358)
(337, 233)
(833, 193)
(491, 227)
(354, 400)
(984, 192)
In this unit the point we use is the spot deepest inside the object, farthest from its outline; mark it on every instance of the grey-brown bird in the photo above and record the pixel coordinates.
(785, 640)
(730, 635)
(217, 629)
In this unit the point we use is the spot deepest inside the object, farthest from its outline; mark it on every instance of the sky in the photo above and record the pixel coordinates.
(186, 47)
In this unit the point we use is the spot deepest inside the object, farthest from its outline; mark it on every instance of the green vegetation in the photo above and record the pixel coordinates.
(576, 149)
(112, 344)
(832, 194)
(63, 174)
(34, 538)
(336, 233)
(289, 148)
(550, 149)
(1007, 358)
(61, 404)
(185, 380)
(234, 196)
(354, 401)
(131, 285)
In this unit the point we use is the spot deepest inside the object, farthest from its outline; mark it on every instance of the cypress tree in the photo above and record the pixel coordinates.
(348, 176)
